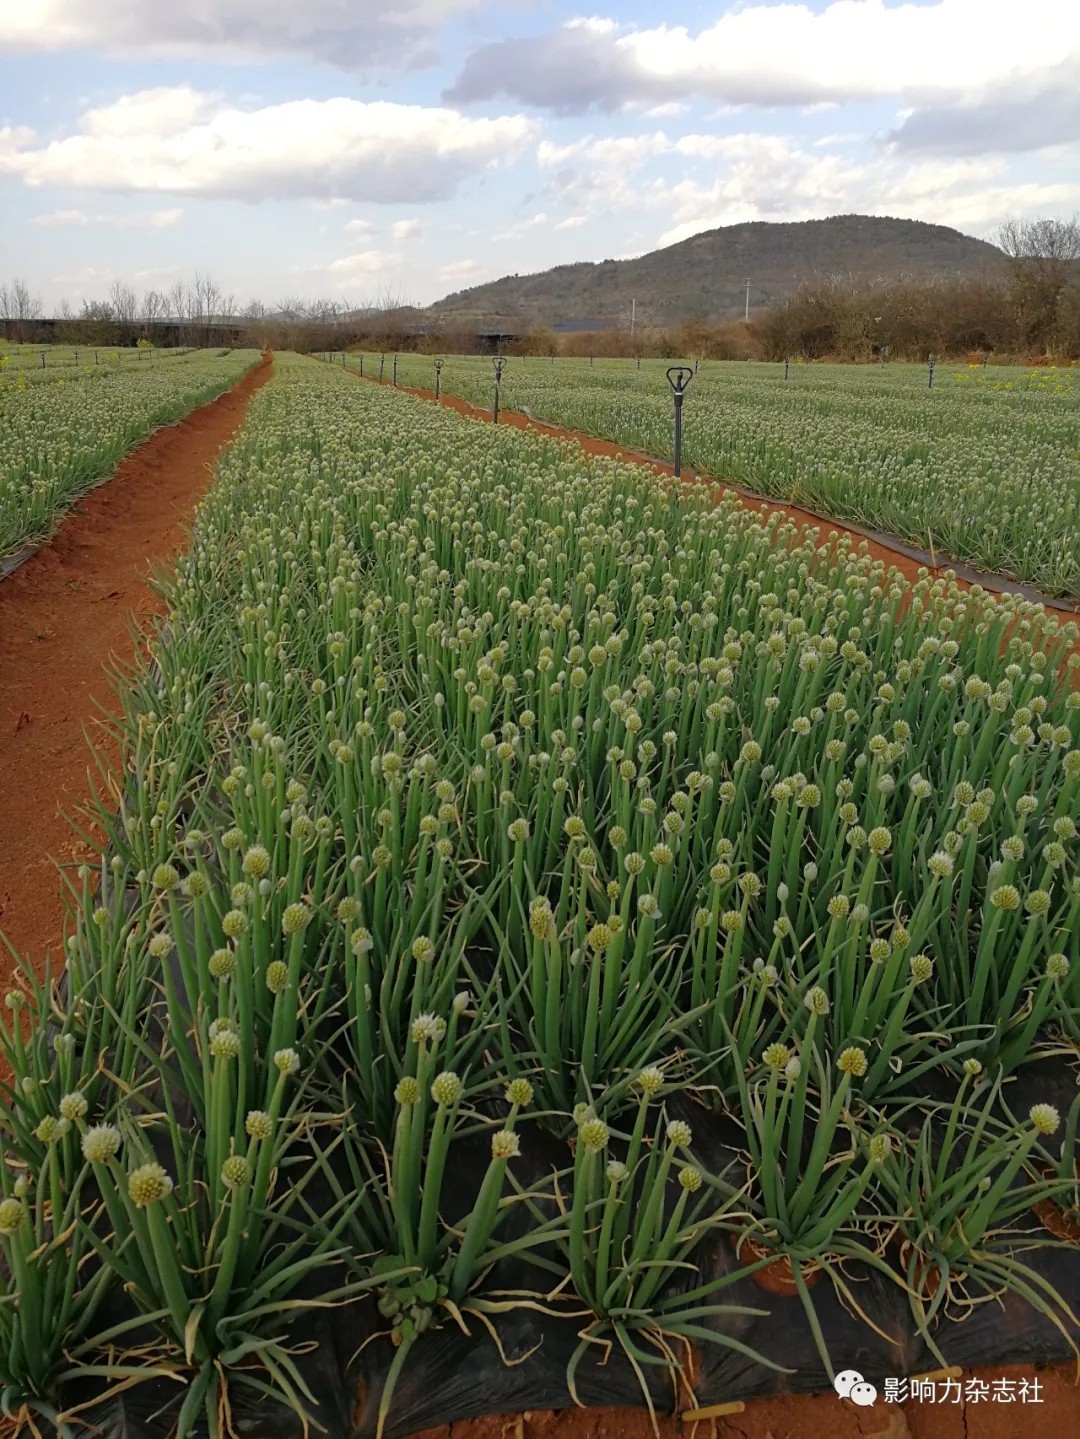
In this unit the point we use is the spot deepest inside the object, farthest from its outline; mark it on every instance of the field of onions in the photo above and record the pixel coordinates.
(63, 429)
(31, 361)
(984, 467)
(542, 907)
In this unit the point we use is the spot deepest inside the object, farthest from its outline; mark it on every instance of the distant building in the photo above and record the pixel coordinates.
(587, 326)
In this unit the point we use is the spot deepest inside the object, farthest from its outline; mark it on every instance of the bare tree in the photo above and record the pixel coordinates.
(96, 321)
(324, 311)
(291, 309)
(20, 305)
(176, 301)
(124, 302)
(155, 307)
(66, 327)
(1050, 246)
(25, 304)
(1044, 258)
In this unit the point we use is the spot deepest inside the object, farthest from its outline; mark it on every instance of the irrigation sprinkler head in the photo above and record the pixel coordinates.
(679, 377)
(438, 365)
(498, 361)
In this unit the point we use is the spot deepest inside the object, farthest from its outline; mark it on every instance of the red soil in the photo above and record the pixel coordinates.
(815, 1416)
(65, 614)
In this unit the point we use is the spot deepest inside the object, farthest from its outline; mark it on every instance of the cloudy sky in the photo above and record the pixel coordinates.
(351, 148)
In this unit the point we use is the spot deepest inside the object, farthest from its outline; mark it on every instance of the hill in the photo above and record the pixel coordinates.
(705, 277)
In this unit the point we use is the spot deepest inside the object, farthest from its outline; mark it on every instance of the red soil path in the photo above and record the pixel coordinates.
(813, 1416)
(64, 615)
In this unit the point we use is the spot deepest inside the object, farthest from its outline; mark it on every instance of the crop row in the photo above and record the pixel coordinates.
(32, 360)
(984, 467)
(497, 823)
(58, 437)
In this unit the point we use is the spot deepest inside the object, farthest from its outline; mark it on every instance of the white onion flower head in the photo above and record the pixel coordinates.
(236, 1172)
(816, 1000)
(505, 1144)
(425, 1028)
(690, 1178)
(519, 1092)
(258, 1124)
(148, 1185)
(101, 1143)
(1044, 1117)
(296, 918)
(446, 1088)
(13, 1217)
(679, 1134)
(73, 1106)
(593, 1134)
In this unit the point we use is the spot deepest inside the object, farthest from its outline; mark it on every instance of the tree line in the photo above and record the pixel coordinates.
(1025, 307)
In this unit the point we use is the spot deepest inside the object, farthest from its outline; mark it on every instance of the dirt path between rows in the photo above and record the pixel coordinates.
(64, 615)
(592, 445)
(1053, 1415)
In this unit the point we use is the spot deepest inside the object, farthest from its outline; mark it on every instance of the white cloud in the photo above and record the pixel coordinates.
(182, 142)
(572, 222)
(87, 277)
(774, 180)
(364, 262)
(459, 270)
(143, 220)
(338, 32)
(781, 54)
(167, 110)
(359, 227)
(776, 177)
(523, 227)
(14, 138)
(668, 110)
(406, 229)
(841, 137)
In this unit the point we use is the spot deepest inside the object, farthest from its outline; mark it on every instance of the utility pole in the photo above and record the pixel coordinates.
(746, 315)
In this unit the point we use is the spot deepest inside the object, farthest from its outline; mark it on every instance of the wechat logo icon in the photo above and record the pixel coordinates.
(850, 1384)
